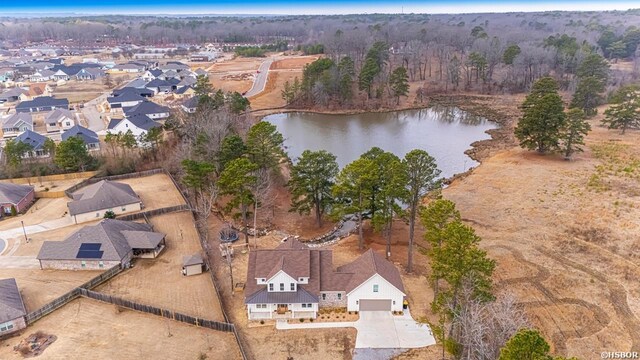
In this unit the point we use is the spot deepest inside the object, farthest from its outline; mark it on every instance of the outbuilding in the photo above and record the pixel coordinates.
(192, 265)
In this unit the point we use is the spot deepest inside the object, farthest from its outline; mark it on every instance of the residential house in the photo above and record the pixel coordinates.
(38, 89)
(125, 99)
(42, 103)
(138, 124)
(169, 74)
(12, 309)
(93, 201)
(107, 244)
(15, 196)
(184, 92)
(128, 68)
(90, 74)
(148, 108)
(190, 105)
(294, 281)
(63, 72)
(36, 141)
(41, 75)
(151, 74)
(159, 86)
(90, 138)
(137, 83)
(201, 72)
(13, 94)
(16, 124)
(187, 81)
(59, 120)
(174, 65)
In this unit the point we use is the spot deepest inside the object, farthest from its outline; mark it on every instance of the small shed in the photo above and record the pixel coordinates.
(192, 265)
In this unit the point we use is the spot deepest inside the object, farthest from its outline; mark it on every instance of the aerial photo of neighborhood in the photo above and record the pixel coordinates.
(318, 180)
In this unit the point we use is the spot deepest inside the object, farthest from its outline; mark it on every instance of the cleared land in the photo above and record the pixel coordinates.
(39, 287)
(160, 283)
(90, 329)
(281, 71)
(156, 191)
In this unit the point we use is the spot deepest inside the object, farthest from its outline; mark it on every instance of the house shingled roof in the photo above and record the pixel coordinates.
(11, 304)
(102, 195)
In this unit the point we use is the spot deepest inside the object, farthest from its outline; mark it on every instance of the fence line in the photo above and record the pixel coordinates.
(57, 177)
(71, 295)
(215, 325)
(154, 212)
(93, 180)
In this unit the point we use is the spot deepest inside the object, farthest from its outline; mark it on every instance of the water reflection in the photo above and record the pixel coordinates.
(442, 131)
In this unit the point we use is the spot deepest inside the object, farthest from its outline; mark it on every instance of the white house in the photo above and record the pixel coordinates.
(59, 120)
(294, 281)
(137, 124)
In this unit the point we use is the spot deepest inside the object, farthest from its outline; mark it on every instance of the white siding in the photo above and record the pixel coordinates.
(126, 125)
(385, 291)
(281, 278)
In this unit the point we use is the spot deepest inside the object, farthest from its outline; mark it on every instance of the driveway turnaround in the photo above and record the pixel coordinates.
(379, 330)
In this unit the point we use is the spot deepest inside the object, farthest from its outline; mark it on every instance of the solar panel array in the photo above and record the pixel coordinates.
(90, 251)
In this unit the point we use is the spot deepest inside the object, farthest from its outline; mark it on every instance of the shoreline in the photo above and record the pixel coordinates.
(500, 138)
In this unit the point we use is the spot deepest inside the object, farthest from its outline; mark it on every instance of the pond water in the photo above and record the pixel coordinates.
(445, 132)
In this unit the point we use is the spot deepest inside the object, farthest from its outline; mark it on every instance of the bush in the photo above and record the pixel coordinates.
(349, 312)
(310, 319)
(24, 350)
(14, 211)
(301, 320)
(261, 322)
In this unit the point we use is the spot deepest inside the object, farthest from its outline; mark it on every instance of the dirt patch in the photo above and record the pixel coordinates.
(86, 326)
(296, 63)
(156, 191)
(159, 282)
(34, 344)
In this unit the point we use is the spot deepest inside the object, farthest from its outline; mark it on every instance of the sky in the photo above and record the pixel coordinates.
(294, 7)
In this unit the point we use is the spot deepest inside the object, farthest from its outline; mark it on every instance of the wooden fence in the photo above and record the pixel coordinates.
(71, 295)
(50, 194)
(154, 212)
(215, 325)
(94, 180)
(58, 177)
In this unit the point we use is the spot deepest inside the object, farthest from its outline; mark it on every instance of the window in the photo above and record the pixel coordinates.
(270, 286)
(83, 264)
(304, 306)
(281, 286)
(339, 296)
(6, 327)
(97, 214)
(307, 306)
(124, 208)
(375, 288)
(261, 306)
(101, 264)
(293, 287)
(324, 296)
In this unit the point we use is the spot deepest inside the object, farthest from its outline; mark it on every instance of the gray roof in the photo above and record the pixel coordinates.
(102, 195)
(136, 83)
(11, 304)
(13, 120)
(43, 102)
(13, 193)
(58, 114)
(146, 108)
(32, 138)
(286, 297)
(194, 259)
(369, 264)
(88, 136)
(142, 121)
(116, 238)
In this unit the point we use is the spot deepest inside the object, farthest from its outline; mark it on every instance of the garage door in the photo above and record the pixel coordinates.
(375, 305)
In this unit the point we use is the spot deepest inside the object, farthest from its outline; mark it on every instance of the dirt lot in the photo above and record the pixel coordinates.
(80, 91)
(158, 282)
(281, 71)
(156, 191)
(91, 329)
(38, 287)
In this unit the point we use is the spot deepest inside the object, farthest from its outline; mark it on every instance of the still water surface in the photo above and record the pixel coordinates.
(443, 132)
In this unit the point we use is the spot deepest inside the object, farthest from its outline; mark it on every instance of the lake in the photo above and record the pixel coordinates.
(444, 132)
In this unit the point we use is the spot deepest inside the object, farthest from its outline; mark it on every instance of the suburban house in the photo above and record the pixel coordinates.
(159, 86)
(12, 309)
(128, 68)
(138, 124)
(148, 108)
(16, 124)
(90, 74)
(124, 99)
(41, 75)
(152, 74)
(183, 92)
(14, 94)
(59, 120)
(93, 201)
(90, 138)
(137, 83)
(36, 141)
(42, 103)
(190, 105)
(107, 244)
(293, 281)
(15, 195)
(38, 89)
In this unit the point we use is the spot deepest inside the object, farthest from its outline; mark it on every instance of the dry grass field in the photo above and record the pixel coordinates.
(281, 71)
(38, 287)
(90, 329)
(160, 283)
(80, 91)
(156, 191)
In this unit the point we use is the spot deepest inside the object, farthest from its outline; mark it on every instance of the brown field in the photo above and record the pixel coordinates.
(80, 91)
(293, 63)
(240, 82)
(271, 97)
(158, 282)
(156, 191)
(38, 287)
(90, 329)
(239, 64)
(566, 245)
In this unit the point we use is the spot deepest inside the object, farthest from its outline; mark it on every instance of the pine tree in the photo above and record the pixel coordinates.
(399, 82)
(575, 131)
(624, 112)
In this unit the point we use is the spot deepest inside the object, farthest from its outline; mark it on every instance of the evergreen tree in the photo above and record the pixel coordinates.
(72, 154)
(14, 151)
(264, 145)
(232, 148)
(399, 83)
(238, 103)
(573, 135)
(311, 183)
(526, 344)
(367, 74)
(543, 117)
(510, 54)
(237, 180)
(624, 112)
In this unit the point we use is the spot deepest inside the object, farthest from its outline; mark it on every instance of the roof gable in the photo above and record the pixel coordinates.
(102, 195)
(11, 304)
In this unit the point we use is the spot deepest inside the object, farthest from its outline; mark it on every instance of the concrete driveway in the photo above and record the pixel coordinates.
(260, 80)
(379, 330)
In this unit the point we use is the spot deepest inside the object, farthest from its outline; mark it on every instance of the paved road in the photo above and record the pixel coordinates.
(260, 80)
(92, 115)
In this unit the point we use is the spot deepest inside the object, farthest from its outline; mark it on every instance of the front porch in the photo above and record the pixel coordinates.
(280, 311)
